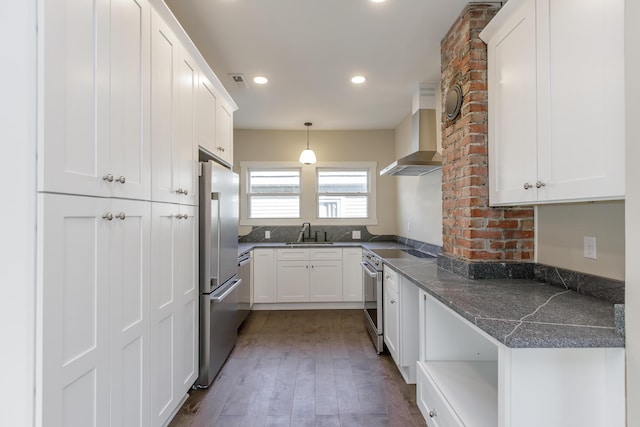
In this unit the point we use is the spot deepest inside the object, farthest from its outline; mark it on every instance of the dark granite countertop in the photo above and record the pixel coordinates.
(246, 247)
(518, 313)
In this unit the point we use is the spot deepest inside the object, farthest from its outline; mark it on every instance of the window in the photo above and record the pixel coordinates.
(274, 193)
(343, 193)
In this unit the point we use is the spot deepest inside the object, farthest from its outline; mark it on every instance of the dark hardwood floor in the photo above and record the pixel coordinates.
(304, 368)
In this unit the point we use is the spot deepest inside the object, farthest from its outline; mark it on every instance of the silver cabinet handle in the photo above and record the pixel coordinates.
(108, 177)
(185, 192)
(179, 191)
(179, 216)
(108, 216)
(185, 216)
(121, 180)
(540, 184)
(121, 216)
(432, 414)
(527, 186)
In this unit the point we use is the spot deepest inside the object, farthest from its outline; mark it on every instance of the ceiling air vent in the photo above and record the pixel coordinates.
(239, 80)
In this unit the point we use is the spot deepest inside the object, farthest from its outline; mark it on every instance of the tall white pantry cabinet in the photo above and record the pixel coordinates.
(117, 226)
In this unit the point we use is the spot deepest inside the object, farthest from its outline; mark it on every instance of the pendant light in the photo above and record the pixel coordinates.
(307, 157)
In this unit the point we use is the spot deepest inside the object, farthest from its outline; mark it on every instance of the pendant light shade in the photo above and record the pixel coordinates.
(307, 157)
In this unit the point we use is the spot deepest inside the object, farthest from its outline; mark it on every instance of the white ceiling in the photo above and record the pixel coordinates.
(310, 49)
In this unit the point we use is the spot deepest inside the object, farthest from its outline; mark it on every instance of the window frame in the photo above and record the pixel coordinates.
(308, 193)
(283, 194)
(319, 194)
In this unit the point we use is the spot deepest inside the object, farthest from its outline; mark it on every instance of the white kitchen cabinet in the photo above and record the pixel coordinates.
(174, 307)
(264, 275)
(391, 313)
(206, 115)
(554, 134)
(351, 274)
(94, 79)
(174, 82)
(466, 377)
(94, 287)
(224, 133)
(305, 275)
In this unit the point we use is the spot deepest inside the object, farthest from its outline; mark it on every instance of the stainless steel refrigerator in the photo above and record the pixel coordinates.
(219, 280)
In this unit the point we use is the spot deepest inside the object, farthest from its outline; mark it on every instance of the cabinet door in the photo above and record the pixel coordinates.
(513, 115)
(186, 151)
(164, 59)
(409, 320)
(186, 268)
(391, 329)
(206, 115)
(351, 274)
(130, 316)
(224, 134)
(73, 142)
(165, 311)
(583, 157)
(325, 281)
(264, 283)
(72, 370)
(292, 281)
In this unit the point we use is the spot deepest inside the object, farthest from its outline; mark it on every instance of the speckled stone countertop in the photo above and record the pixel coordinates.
(246, 247)
(516, 312)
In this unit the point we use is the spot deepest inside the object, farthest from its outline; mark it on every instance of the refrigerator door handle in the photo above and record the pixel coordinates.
(221, 297)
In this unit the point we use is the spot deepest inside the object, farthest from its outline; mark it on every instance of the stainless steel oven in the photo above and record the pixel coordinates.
(372, 295)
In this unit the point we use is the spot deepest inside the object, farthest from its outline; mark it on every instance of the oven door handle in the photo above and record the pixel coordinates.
(368, 270)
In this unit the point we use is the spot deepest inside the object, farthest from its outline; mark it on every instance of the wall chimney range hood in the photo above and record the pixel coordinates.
(423, 158)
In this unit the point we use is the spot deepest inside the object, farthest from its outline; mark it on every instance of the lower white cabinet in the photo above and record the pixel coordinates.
(466, 377)
(400, 311)
(174, 307)
(305, 275)
(352, 274)
(264, 275)
(93, 311)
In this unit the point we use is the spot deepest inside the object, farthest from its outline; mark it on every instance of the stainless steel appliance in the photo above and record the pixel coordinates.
(372, 287)
(219, 280)
(372, 294)
(245, 300)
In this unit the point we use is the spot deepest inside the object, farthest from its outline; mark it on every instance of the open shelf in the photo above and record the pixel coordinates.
(470, 387)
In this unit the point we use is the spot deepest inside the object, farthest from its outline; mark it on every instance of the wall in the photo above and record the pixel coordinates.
(632, 210)
(18, 213)
(329, 146)
(560, 233)
(419, 207)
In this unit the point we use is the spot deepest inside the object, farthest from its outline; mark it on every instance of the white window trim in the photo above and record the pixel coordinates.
(308, 194)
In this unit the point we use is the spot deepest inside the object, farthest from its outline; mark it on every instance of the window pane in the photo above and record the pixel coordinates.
(274, 181)
(343, 181)
(274, 207)
(342, 206)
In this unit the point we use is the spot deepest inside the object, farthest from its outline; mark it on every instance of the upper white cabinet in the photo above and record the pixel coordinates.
(174, 82)
(224, 133)
(94, 98)
(556, 101)
(206, 118)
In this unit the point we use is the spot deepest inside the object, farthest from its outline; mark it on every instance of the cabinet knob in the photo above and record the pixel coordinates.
(108, 216)
(121, 180)
(185, 216)
(527, 186)
(108, 177)
(392, 301)
(179, 191)
(121, 216)
(185, 192)
(179, 216)
(540, 184)
(433, 414)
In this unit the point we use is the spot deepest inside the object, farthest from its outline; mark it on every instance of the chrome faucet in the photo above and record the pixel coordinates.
(305, 226)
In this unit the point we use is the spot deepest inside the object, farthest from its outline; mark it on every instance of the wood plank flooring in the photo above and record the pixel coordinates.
(304, 368)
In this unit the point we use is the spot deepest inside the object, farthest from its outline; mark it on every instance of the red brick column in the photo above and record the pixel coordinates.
(473, 231)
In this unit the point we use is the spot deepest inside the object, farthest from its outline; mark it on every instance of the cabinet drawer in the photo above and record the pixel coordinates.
(390, 280)
(434, 407)
(292, 254)
(325, 253)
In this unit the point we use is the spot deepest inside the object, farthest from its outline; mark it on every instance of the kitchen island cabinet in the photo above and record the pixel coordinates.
(554, 135)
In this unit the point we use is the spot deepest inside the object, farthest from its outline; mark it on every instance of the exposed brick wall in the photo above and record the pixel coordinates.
(473, 231)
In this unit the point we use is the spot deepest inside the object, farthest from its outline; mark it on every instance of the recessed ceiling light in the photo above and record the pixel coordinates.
(260, 80)
(358, 79)
(377, 1)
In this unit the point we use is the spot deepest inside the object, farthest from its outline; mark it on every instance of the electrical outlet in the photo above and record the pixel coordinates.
(408, 225)
(267, 234)
(355, 234)
(590, 247)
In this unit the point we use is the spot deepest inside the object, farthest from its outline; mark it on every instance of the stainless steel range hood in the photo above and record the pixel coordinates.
(425, 158)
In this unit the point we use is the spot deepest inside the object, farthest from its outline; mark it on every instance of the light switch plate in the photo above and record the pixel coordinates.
(267, 234)
(355, 234)
(590, 247)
